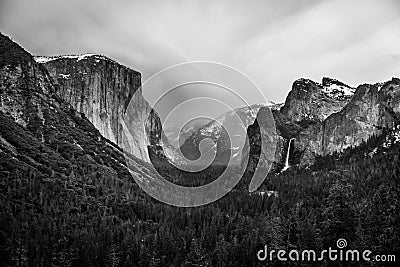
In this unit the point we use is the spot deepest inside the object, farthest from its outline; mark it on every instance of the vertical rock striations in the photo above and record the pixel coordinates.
(102, 89)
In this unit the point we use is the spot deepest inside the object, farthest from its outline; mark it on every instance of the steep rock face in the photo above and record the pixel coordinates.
(43, 133)
(389, 95)
(102, 89)
(312, 101)
(217, 131)
(329, 117)
(254, 150)
(368, 112)
(24, 87)
(96, 86)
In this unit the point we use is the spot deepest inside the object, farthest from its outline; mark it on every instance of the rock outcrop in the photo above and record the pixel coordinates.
(370, 110)
(322, 117)
(102, 89)
(312, 101)
(44, 134)
(253, 151)
(330, 117)
(25, 87)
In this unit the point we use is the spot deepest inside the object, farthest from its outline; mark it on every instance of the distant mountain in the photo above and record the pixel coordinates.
(178, 136)
(217, 131)
(321, 118)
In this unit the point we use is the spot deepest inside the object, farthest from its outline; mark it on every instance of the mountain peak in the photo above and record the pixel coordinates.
(326, 81)
(311, 100)
(336, 89)
(304, 80)
(12, 53)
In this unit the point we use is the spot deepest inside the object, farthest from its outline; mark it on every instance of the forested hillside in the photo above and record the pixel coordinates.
(68, 199)
(88, 218)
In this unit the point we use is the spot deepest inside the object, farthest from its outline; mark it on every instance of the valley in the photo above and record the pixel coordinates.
(68, 196)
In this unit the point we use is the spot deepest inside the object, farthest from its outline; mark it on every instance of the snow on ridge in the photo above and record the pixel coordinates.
(335, 91)
(304, 80)
(45, 59)
(211, 128)
(250, 113)
(256, 107)
(40, 59)
(273, 105)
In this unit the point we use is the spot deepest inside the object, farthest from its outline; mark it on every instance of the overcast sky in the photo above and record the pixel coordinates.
(273, 42)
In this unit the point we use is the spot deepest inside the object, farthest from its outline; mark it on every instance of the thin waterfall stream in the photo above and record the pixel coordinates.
(287, 156)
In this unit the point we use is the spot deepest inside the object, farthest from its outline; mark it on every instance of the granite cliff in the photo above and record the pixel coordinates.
(308, 103)
(370, 110)
(102, 89)
(44, 135)
(313, 101)
(323, 118)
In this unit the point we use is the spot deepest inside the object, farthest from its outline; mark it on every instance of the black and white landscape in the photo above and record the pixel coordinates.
(68, 197)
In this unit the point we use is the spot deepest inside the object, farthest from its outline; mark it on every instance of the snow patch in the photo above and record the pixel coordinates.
(212, 128)
(338, 91)
(64, 76)
(392, 138)
(45, 59)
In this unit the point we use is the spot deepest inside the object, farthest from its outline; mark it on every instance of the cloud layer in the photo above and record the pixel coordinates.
(273, 42)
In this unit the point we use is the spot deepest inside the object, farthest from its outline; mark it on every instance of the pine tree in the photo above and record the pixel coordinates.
(221, 252)
(113, 256)
(19, 255)
(339, 213)
(197, 256)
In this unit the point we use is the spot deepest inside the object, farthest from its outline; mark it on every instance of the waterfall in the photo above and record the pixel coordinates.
(287, 156)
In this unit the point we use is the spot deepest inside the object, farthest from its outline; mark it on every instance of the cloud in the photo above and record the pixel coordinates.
(394, 56)
(273, 42)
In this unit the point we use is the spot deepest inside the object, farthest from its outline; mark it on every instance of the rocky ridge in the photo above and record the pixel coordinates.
(370, 110)
(44, 134)
(313, 101)
(322, 118)
(102, 89)
(328, 117)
